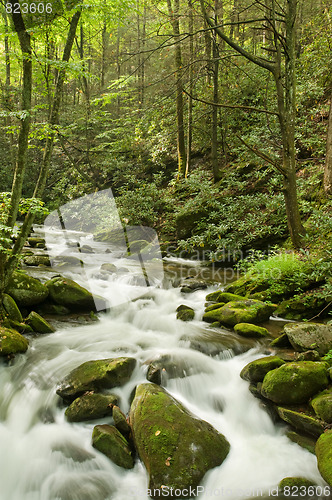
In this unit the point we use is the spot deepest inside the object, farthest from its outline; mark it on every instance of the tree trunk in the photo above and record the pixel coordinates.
(174, 17)
(215, 109)
(21, 160)
(328, 162)
(191, 86)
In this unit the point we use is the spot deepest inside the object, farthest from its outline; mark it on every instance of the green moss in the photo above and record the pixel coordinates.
(324, 456)
(295, 383)
(250, 330)
(255, 371)
(242, 311)
(322, 405)
(25, 290)
(90, 406)
(109, 441)
(12, 342)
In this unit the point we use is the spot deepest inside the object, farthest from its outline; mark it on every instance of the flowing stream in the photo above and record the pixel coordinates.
(43, 457)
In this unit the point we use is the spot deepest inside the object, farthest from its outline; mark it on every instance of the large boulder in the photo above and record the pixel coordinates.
(68, 293)
(240, 311)
(295, 383)
(324, 456)
(90, 406)
(305, 336)
(36, 260)
(96, 375)
(12, 342)
(25, 290)
(255, 371)
(322, 405)
(109, 441)
(176, 448)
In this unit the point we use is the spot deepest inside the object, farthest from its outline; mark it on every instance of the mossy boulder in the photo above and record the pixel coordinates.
(37, 260)
(185, 313)
(295, 484)
(303, 440)
(303, 306)
(220, 296)
(241, 311)
(301, 421)
(68, 293)
(255, 371)
(12, 342)
(108, 267)
(109, 441)
(322, 405)
(96, 375)
(190, 285)
(176, 448)
(305, 336)
(90, 406)
(281, 341)
(324, 456)
(34, 241)
(295, 383)
(11, 308)
(250, 330)
(25, 290)
(39, 324)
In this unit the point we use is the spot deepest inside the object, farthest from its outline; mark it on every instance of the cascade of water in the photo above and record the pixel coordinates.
(43, 457)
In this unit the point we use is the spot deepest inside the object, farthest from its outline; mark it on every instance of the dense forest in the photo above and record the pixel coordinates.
(210, 122)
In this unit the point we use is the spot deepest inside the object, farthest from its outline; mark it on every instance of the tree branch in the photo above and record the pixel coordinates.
(262, 155)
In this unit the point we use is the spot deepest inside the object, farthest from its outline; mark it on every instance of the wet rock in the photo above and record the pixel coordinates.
(36, 242)
(109, 441)
(255, 371)
(322, 405)
(11, 308)
(250, 330)
(108, 267)
(120, 421)
(37, 260)
(301, 421)
(295, 484)
(281, 341)
(39, 324)
(185, 313)
(175, 366)
(90, 406)
(12, 342)
(56, 309)
(86, 249)
(190, 285)
(224, 297)
(305, 336)
(324, 456)
(295, 383)
(68, 293)
(242, 311)
(308, 356)
(96, 375)
(176, 448)
(214, 342)
(25, 290)
(306, 442)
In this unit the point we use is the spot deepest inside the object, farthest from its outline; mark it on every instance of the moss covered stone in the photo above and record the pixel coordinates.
(25, 290)
(255, 371)
(176, 448)
(305, 441)
(250, 330)
(68, 293)
(304, 336)
(11, 308)
(301, 421)
(281, 341)
(242, 311)
(295, 383)
(300, 483)
(120, 421)
(37, 260)
(109, 441)
(324, 456)
(185, 313)
(322, 405)
(12, 342)
(96, 375)
(39, 324)
(220, 296)
(90, 406)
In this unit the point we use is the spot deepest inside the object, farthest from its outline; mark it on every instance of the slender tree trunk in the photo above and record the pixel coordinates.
(181, 147)
(104, 42)
(215, 109)
(22, 152)
(8, 121)
(328, 162)
(191, 86)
